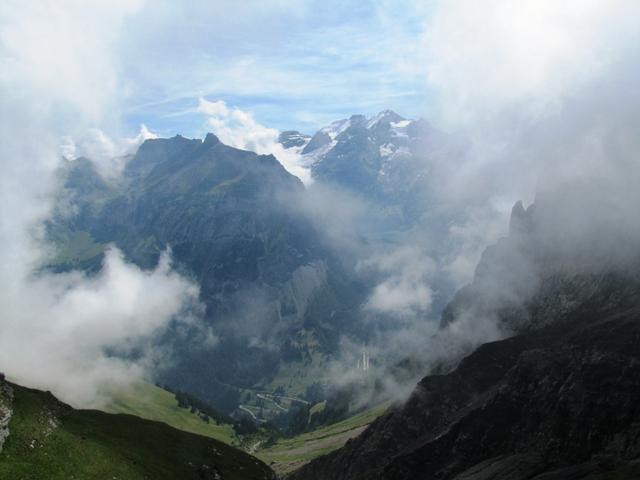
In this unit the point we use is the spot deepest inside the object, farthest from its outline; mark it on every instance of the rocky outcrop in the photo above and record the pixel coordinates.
(6, 411)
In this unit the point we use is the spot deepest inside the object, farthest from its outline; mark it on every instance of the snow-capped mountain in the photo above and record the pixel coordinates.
(386, 158)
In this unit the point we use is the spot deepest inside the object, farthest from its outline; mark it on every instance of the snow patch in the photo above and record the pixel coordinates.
(401, 124)
(336, 128)
(387, 149)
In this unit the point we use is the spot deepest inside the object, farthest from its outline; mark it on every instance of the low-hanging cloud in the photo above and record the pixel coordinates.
(81, 336)
(71, 333)
(405, 288)
(109, 155)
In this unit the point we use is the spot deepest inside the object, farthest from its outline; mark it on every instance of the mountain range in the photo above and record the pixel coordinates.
(276, 289)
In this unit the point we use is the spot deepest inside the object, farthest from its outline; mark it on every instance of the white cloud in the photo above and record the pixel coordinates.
(59, 329)
(212, 109)
(405, 289)
(500, 55)
(109, 155)
(239, 129)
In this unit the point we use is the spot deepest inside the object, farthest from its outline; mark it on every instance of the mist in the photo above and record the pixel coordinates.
(80, 336)
(544, 95)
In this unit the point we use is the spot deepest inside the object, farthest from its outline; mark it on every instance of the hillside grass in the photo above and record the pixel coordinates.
(154, 403)
(51, 441)
(149, 401)
(288, 454)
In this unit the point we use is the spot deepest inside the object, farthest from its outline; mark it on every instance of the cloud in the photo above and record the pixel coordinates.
(81, 336)
(71, 333)
(109, 155)
(405, 289)
(239, 129)
(550, 117)
(212, 109)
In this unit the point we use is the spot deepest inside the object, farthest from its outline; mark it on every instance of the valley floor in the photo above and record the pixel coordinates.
(289, 454)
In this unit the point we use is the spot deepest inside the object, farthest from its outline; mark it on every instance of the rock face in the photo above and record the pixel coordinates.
(558, 399)
(6, 411)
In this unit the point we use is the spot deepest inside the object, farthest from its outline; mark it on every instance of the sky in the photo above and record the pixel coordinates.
(293, 65)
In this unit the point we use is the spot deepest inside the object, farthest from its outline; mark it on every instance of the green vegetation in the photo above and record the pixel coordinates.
(154, 403)
(50, 441)
(318, 407)
(287, 454)
(283, 454)
(74, 247)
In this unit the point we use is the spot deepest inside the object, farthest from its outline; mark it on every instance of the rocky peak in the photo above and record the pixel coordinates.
(211, 140)
(521, 222)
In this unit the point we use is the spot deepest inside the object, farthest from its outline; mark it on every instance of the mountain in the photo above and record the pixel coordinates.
(42, 438)
(387, 159)
(274, 293)
(555, 399)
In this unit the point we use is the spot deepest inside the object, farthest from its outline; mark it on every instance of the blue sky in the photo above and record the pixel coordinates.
(292, 64)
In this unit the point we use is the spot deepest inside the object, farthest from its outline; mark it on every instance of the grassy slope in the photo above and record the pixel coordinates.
(154, 403)
(51, 441)
(290, 453)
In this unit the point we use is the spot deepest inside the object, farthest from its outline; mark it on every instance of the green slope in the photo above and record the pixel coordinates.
(49, 440)
(288, 454)
(154, 403)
